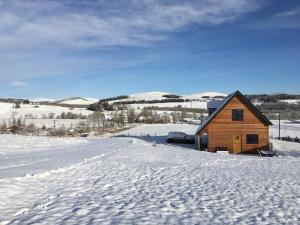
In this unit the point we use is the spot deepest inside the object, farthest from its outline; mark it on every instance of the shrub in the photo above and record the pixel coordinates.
(30, 129)
(59, 132)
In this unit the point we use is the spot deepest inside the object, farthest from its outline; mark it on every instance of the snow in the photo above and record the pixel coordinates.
(37, 100)
(291, 101)
(147, 96)
(143, 180)
(67, 101)
(78, 101)
(287, 128)
(198, 101)
(5, 107)
(6, 110)
(50, 123)
(29, 144)
(191, 104)
(284, 148)
(200, 95)
(160, 129)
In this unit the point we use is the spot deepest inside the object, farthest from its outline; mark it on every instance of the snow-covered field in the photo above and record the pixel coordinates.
(287, 128)
(191, 104)
(291, 101)
(7, 110)
(77, 101)
(198, 101)
(50, 123)
(142, 180)
(37, 115)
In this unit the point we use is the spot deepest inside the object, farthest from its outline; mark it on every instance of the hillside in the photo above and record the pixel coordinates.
(66, 101)
(204, 95)
(158, 96)
(165, 100)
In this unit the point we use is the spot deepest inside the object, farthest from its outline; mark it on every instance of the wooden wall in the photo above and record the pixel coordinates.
(221, 129)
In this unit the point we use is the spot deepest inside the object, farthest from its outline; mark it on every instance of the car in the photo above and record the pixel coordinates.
(180, 137)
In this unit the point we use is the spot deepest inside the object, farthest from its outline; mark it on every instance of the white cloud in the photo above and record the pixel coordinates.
(85, 24)
(35, 35)
(18, 84)
(289, 19)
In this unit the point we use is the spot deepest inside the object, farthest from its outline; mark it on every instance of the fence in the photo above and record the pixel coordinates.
(48, 123)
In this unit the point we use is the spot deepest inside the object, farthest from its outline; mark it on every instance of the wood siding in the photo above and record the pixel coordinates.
(222, 129)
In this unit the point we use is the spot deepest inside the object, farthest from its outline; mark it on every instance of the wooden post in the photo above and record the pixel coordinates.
(199, 142)
(279, 126)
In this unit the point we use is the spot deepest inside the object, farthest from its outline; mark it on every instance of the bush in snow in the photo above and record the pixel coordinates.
(3, 127)
(31, 129)
(59, 132)
(96, 119)
(17, 105)
(290, 139)
(83, 127)
(131, 116)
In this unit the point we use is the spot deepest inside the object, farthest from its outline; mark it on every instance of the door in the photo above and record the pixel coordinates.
(237, 143)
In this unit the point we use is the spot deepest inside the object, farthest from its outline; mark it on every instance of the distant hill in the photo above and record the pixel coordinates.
(159, 100)
(163, 96)
(66, 101)
(76, 101)
(205, 95)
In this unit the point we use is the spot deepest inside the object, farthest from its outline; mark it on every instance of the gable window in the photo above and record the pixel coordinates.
(237, 115)
(252, 139)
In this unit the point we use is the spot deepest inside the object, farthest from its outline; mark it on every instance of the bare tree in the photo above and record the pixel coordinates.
(96, 119)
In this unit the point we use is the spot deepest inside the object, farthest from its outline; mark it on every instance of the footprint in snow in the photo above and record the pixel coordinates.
(80, 211)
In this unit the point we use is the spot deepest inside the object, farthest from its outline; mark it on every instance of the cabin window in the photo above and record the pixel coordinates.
(237, 115)
(252, 138)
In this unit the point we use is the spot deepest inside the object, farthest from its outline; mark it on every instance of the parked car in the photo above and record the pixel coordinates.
(83, 135)
(180, 137)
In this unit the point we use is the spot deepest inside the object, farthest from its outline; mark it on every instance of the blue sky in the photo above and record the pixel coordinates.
(104, 48)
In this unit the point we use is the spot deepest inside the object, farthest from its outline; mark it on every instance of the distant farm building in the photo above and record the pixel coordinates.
(234, 125)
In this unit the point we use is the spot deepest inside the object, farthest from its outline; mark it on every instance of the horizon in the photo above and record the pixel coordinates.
(99, 49)
(185, 94)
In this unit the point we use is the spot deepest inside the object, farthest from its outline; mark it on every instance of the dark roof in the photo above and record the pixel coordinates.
(214, 104)
(243, 99)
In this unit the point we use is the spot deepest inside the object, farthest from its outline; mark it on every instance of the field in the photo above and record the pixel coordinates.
(139, 179)
(287, 128)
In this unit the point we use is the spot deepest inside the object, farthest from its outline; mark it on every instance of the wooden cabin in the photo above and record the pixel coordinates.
(236, 126)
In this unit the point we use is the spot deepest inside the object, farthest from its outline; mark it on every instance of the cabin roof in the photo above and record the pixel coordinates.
(214, 104)
(243, 99)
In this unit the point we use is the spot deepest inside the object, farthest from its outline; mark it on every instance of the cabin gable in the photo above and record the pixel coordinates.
(225, 115)
(233, 133)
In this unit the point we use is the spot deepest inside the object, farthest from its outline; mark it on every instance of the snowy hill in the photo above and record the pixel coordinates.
(37, 100)
(7, 110)
(151, 96)
(138, 97)
(291, 101)
(204, 94)
(66, 101)
(148, 96)
(169, 100)
(77, 101)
